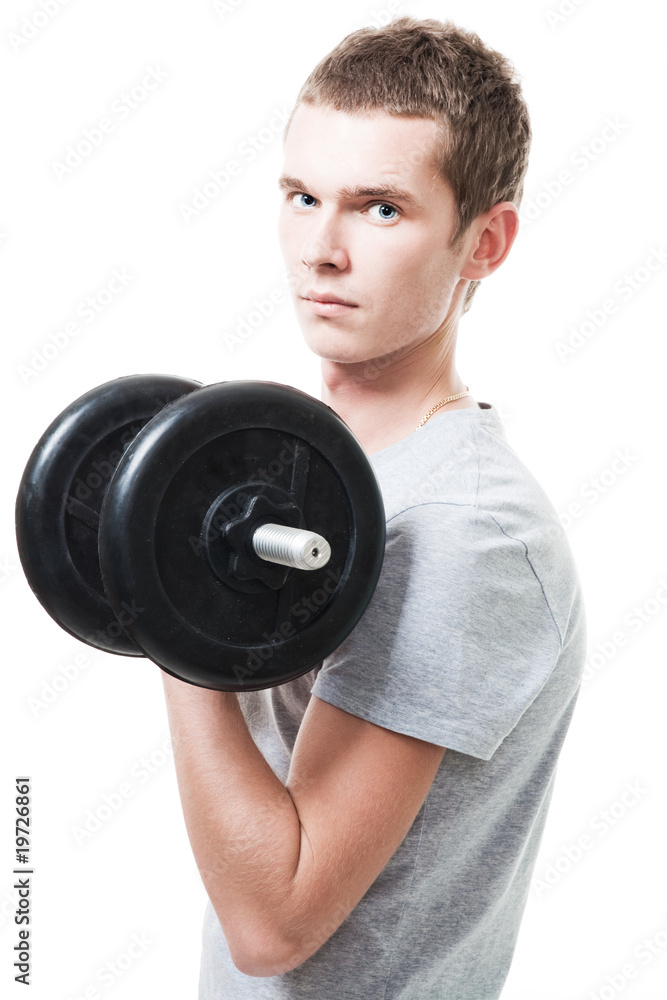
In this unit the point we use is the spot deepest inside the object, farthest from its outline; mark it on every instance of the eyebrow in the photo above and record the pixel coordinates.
(287, 183)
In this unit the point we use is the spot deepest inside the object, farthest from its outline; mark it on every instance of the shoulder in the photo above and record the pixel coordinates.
(473, 560)
(436, 463)
(441, 544)
(463, 457)
(463, 507)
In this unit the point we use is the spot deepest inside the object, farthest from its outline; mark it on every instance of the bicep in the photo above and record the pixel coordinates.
(357, 789)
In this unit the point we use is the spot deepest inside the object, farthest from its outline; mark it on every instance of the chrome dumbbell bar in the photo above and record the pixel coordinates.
(295, 547)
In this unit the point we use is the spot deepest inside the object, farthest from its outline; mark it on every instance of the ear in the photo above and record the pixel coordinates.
(491, 237)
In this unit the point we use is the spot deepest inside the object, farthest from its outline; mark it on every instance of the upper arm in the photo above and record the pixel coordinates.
(357, 789)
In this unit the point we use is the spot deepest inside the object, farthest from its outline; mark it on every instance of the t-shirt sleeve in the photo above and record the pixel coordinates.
(458, 638)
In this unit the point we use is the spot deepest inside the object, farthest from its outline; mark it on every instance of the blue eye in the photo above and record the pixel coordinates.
(388, 213)
(299, 195)
(384, 205)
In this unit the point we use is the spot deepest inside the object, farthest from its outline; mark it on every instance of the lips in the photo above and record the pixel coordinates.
(324, 297)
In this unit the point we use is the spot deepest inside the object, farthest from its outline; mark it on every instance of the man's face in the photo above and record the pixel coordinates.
(364, 206)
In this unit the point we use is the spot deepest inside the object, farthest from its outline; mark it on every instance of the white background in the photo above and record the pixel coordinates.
(226, 72)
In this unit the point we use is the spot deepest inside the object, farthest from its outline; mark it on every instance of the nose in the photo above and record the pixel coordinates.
(324, 246)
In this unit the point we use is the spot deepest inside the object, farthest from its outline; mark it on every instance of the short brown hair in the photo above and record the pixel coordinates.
(434, 69)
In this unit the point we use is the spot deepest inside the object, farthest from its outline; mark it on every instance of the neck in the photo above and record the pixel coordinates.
(383, 400)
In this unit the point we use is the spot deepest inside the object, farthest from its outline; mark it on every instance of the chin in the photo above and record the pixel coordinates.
(328, 347)
(325, 343)
(334, 342)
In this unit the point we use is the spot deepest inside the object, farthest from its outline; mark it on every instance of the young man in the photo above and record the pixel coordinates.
(369, 829)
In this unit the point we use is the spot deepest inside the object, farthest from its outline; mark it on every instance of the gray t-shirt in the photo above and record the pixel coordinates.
(474, 640)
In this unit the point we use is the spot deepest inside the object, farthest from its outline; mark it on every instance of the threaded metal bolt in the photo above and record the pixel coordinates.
(294, 547)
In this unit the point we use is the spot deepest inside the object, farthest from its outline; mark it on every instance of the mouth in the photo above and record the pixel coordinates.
(327, 305)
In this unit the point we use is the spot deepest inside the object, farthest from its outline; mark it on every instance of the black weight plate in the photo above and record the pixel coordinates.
(195, 457)
(60, 498)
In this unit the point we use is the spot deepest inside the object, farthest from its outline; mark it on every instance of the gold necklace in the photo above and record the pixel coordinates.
(449, 399)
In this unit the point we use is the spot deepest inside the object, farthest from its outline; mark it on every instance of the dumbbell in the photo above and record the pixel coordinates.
(232, 533)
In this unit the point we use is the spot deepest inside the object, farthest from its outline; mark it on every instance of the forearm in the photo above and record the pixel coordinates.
(242, 823)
